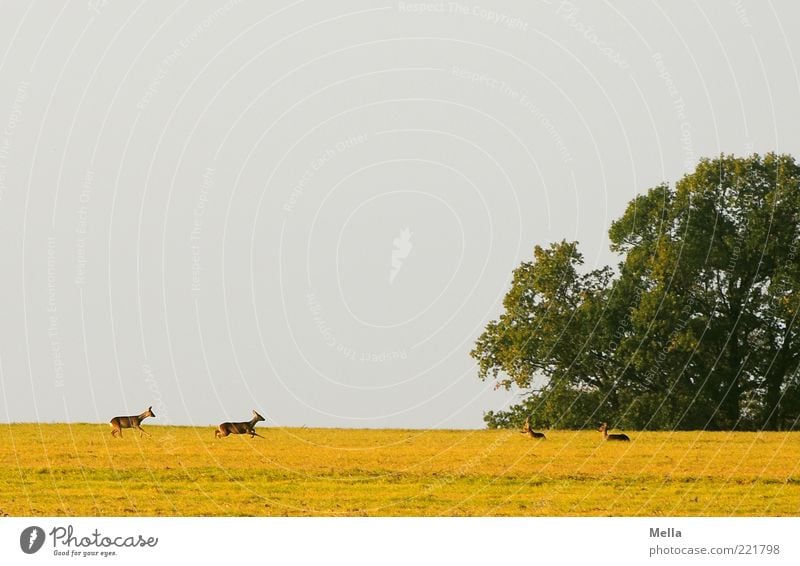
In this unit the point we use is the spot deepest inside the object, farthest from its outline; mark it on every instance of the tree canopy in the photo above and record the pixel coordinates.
(695, 328)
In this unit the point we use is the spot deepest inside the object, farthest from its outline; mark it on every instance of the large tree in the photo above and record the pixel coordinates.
(696, 328)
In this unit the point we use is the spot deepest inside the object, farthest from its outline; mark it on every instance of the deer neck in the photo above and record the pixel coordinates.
(253, 421)
(142, 416)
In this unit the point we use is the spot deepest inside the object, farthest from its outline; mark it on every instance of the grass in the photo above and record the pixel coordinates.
(80, 470)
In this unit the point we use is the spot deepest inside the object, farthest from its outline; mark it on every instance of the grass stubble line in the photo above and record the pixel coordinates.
(788, 476)
(59, 469)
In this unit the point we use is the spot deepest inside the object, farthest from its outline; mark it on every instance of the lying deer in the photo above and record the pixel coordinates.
(248, 427)
(604, 429)
(118, 423)
(526, 429)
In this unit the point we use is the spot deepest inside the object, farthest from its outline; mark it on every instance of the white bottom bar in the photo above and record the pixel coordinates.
(390, 541)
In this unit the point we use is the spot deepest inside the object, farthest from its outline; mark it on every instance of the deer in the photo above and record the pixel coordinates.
(526, 429)
(604, 429)
(248, 427)
(135, 421)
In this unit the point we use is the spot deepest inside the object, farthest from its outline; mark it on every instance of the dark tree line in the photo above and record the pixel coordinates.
(696, 327)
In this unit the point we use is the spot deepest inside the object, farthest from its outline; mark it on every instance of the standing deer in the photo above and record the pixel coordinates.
(239, 428)
(526, 429)
(604, 429)
(118, 423)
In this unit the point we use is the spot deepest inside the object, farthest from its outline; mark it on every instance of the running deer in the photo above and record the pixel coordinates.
(118, 423)
(526, 429)
(604, 429)
(239, 428)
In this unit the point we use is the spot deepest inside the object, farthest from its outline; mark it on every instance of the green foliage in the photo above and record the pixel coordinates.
(554, 408)
(695, 329)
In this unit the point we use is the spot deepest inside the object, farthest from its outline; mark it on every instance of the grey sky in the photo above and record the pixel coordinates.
(313, 208)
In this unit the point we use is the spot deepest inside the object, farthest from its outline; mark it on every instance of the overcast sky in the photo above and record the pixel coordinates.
(312, 208)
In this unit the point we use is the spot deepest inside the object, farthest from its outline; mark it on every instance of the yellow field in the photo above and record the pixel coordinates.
(81, 470)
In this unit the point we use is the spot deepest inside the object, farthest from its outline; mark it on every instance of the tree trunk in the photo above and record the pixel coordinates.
(731, 407)
(773, 413)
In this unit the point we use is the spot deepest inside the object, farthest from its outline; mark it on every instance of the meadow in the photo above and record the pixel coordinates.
(80, 470)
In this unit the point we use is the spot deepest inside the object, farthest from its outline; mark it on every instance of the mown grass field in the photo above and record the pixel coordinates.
(59, 469)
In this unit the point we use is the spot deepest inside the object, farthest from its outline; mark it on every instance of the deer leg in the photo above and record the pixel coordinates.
(143, 432)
